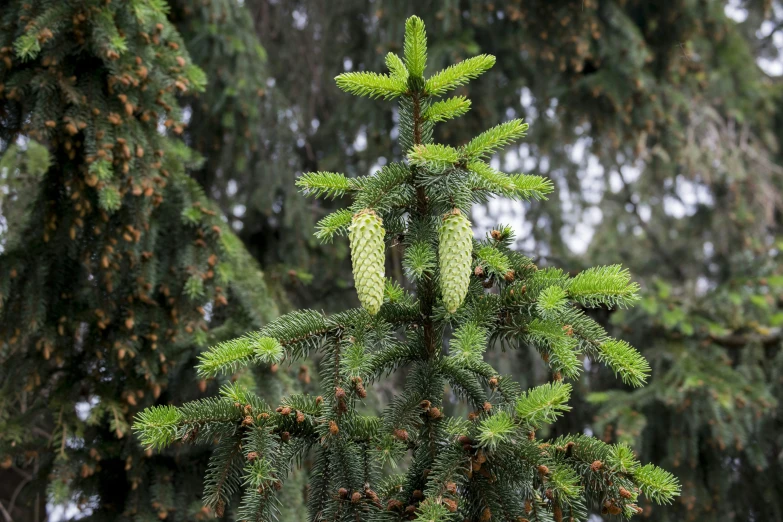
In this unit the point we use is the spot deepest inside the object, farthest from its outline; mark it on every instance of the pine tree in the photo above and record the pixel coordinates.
(675, 90)
(489, 466)
(113, 263)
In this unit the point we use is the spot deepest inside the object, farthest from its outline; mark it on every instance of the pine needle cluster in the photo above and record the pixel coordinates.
(490, 466)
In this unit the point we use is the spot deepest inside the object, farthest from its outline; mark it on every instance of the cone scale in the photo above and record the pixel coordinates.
(456, 245)
(366, 235)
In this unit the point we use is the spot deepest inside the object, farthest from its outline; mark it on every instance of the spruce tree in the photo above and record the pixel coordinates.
(113, 263)
(489, 466)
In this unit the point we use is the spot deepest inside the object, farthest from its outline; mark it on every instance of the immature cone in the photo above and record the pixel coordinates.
(367, 256)
(456, 245)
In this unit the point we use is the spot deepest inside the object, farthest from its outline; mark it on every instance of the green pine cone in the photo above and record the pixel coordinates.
(368, 254)
(456, 246)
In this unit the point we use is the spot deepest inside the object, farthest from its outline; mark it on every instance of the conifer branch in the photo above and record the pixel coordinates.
(447, 109)
(610, 285)
(372, 85)
(228, 356)
(551, 302)
(385, 189)
(489, 141)
(516, 186)
(458, 74)
(434, 157)
(397, 68)
(657, 484)
(562, 348)
(157, 426)
(418, 261)
(415, 47)
(324, 184)
(335, 224)
(543, 404)
(493, 261)
(223, 475)
(495, 430)
(625, 360)
(468, 343)
(465, 383)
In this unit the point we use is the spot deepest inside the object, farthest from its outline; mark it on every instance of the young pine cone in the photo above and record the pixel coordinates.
(456, 246)
(366, 235)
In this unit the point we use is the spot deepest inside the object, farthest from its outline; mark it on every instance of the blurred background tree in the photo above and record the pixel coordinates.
(659, 122)
(116, 268)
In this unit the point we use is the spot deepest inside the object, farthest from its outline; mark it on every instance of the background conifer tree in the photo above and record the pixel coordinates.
(489, 466)
(115, 266)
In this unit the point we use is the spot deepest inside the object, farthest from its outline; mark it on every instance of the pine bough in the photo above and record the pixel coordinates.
(489, 466)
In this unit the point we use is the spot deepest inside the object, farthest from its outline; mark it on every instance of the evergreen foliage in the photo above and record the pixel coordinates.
(671, 88)
(488, 466)
(114, 265)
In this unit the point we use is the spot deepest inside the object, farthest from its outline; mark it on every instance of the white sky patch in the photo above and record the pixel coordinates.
(83, 408)
(689, 195)
(644, 212)
(528, 161)
(772, 67)
(511, 162)
(300, 19)
(579, 236)
(187, 113)
(577, 150)
(526, 101)
(592, 180)
(615, 182)
(766, 28)
(703, 285)
(550, 112)
(360, 142)
(674, 207)
(70, 510)
(564, 195)
(543, 164)
(631, 172)
(735, 11)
